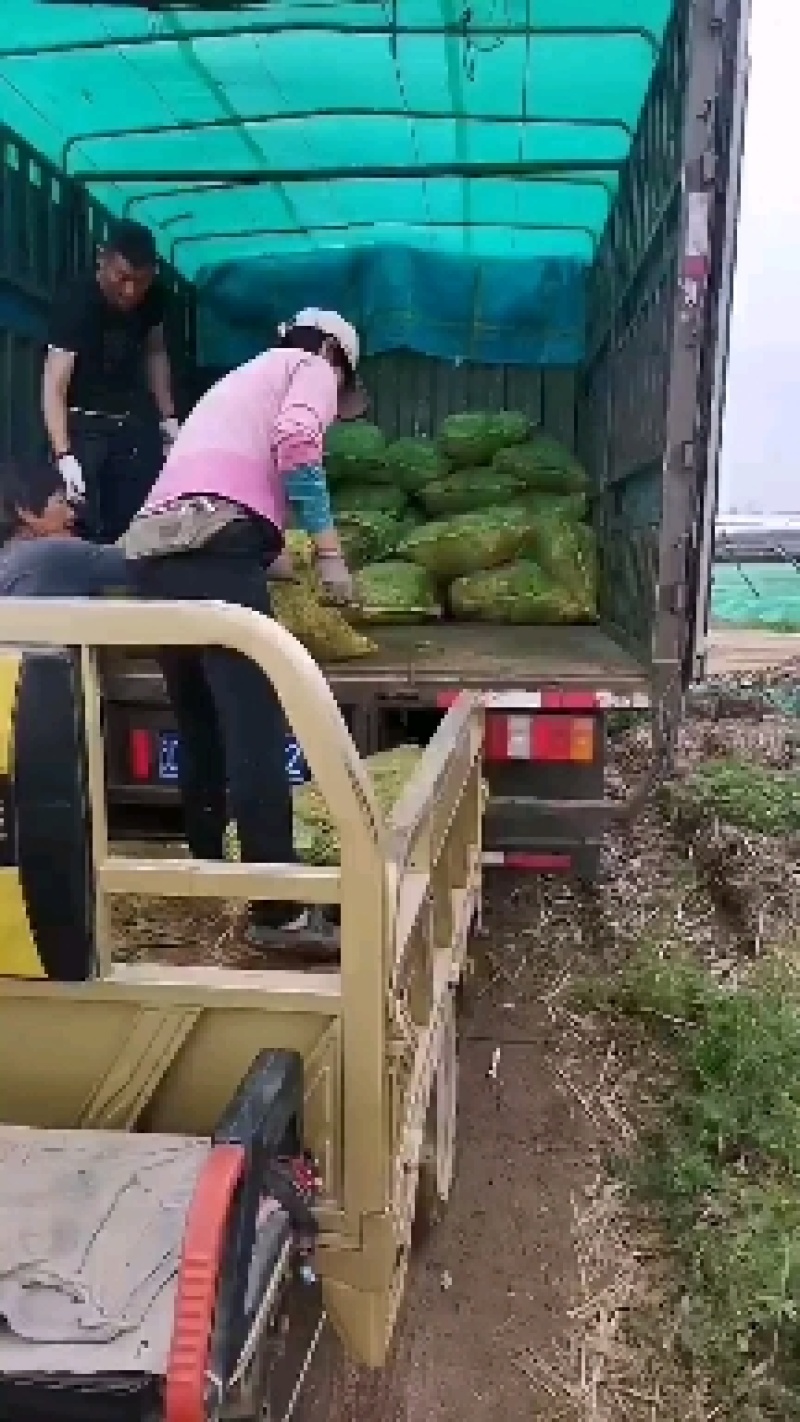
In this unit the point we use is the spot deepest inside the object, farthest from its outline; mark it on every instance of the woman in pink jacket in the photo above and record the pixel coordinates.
(247, 461)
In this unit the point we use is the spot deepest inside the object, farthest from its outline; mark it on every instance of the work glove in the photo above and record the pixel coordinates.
(169, 432)
(281, 569)
(335, 578)
(72, 477)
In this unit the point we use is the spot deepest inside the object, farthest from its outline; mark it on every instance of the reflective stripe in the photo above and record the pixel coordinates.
(118, 416)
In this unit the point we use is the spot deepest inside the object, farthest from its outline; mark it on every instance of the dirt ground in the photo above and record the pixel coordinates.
(488, 1299)
(538, 1297)
(493, 1319)
(487, 1310)
(740, 649)
(487, 1306)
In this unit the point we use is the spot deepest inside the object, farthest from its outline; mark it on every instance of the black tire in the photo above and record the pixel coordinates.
(437, 1165)
(47, 812)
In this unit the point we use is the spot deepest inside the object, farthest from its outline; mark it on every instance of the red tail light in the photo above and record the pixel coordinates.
(566, 740)
(563, 738)
(141, 756)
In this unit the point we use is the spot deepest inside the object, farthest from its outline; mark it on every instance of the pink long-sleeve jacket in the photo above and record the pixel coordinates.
(251, 430)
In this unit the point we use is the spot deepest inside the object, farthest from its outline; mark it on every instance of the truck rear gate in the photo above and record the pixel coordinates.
(540, 747)
(545, 739)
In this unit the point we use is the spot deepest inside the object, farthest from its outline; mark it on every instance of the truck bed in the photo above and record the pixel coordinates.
(413, 663)
(481, 655)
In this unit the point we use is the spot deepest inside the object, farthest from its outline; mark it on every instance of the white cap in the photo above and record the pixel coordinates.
(331, 324)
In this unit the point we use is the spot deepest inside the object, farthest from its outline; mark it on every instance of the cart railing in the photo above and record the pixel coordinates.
(407, 889)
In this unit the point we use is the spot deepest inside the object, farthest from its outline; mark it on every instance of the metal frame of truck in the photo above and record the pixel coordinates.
(163, 1049)
(645, 413)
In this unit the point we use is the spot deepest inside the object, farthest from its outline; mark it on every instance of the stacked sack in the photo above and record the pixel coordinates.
(370, 496)
(486, 523)
(374, 491)
(541, 567)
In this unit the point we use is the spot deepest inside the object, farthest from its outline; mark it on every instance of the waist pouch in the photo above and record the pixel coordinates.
(182, 527)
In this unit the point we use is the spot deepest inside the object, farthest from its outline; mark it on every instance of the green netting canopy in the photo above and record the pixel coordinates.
(439, 170)
(757, 595)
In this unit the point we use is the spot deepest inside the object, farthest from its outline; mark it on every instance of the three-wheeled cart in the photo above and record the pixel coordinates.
(199, 1165)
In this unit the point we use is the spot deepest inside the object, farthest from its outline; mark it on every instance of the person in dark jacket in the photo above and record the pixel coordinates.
(107, 383)
(39, 554)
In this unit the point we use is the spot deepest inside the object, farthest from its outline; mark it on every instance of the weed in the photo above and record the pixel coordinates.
(722, 1166)
(751, 796)
(620, 722)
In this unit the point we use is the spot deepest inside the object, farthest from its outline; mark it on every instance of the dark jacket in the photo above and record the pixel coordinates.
(60, 567)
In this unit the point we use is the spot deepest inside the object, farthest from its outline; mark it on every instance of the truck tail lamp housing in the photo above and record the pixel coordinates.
(140, 756)
(565, 740)
(565, 730)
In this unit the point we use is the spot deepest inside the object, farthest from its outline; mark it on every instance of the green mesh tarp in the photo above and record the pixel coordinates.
(440, 172)
(757, 595)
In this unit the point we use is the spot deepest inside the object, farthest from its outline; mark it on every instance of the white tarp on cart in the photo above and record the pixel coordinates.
(91, 1230)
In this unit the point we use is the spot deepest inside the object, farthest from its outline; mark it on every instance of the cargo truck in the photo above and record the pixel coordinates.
(640, 397)
(643, 410)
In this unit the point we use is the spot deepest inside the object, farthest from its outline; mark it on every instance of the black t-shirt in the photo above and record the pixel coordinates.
(109, 344)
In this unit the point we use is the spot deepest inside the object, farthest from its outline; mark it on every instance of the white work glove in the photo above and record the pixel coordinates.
(335, 578)
(72, 476)
(169, 431)
(281, 569)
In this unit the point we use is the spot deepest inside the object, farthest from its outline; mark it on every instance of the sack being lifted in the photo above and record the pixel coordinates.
(298, 606)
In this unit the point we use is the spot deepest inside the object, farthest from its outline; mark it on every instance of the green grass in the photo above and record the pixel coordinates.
(722, 1169)
(754, 797)
(618, 723)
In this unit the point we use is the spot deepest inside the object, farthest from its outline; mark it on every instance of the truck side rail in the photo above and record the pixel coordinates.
(435, 839)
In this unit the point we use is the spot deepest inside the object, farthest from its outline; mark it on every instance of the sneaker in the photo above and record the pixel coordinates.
(307, 934)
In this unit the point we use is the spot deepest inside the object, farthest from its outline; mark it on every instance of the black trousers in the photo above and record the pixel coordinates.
(121, 458)
(230, 722)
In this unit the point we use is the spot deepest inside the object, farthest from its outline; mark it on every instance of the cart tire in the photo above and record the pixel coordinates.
(46, 872)
(437, 1166)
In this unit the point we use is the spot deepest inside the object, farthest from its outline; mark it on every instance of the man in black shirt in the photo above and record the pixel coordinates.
(106, 364)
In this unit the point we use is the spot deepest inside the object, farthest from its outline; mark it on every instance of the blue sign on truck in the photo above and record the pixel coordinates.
(169, 749)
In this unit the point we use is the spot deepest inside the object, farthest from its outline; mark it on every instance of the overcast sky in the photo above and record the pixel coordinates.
(761, 443)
